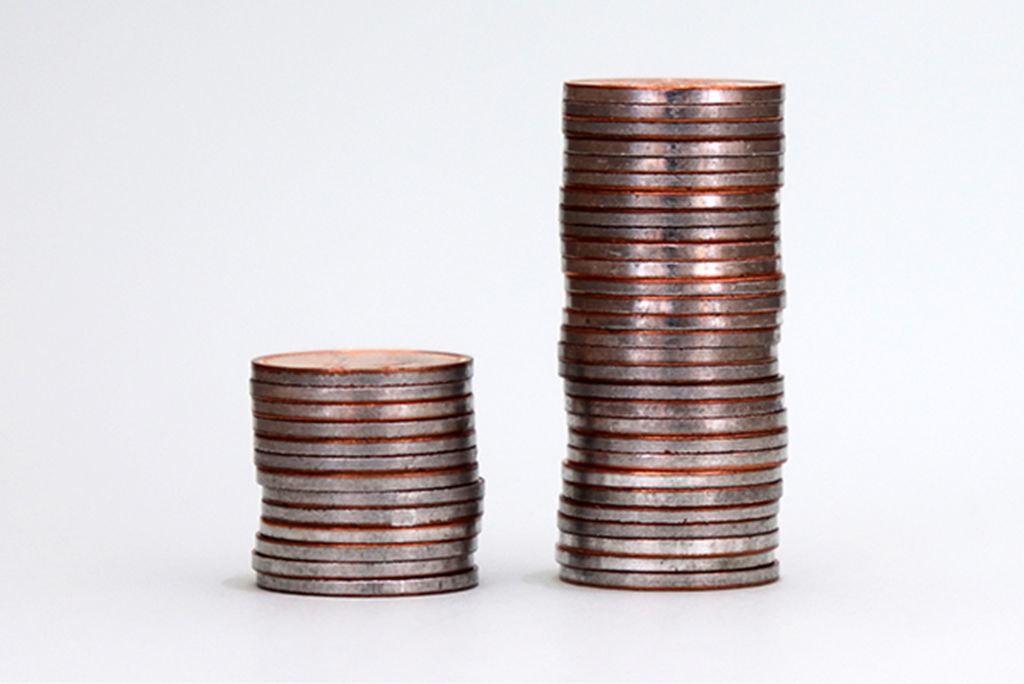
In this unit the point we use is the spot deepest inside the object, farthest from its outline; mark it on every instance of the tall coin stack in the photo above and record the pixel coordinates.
(668, 349)
(368, 465)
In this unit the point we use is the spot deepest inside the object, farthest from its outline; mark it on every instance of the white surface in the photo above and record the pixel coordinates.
(186, 185)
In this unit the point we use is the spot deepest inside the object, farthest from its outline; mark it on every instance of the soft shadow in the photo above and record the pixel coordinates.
(544, 578)
(245, 582)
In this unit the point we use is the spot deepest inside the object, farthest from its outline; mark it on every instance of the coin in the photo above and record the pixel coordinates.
(373, 396)
(679, 444)
(676, 461)
(363, 429)
(376, 553)
(674, 91)
(648, 148)
(666, 251)
(352, 534)
(582, 127)
(444, 459)
(661, 112)
(662, 374)
(668, 531)
(354, 412)
(723, 579)
(402, 446)
(361, 367)
(674, 181)
(376, 500)
(681, 201)
(771, 283)
(722, 546)
(741, 390)
(612, 164)
(373, 481)
(593, 561)
(664, 515)
(686, 321)
(670, 355)
(653, 409)
(765, 231)
(671, 269)
(669, 219)
(399, 516)
(370, 587)
(342, 570)
(676, 306)
(664, 426)
(666, 479)
(600, 337)
(674, 498)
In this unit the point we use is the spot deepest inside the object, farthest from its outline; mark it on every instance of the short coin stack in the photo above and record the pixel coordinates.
(368, 466)
(674, 296)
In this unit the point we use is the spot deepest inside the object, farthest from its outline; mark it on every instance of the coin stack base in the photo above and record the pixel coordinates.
(674, 298)
(368, 465)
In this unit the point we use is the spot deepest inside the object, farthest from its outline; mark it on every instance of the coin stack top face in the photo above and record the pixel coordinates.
(367, 460)
(674, 298)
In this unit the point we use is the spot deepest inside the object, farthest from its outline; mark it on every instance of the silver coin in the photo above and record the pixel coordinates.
(663, 461)
(677, 288)
(575, 353)
(341, 570)
(593, 561)
(671, 410)
(743, 390)
(666, 479)
(764, 231)
(365, 429)
(360, 553)
(723, 579)
(671, 269)
(613, 164)
(338, 412)
(656, 112)
(582, 127)
(376, 500)
(654, 531)
(668, 338)
(677, 444)
(373, 396)
(668, 374)
(661, 148)
(699, 201)
(669, 219)
(670, 426)
(673, 498)
(370, 587)
(674, 181)
(667, 516)
(676, 306)
(630, 321)
(406, 446)
(379, 481)
(399, 516)
(370, 535)
(362, 367)
(722, 546)
(636, 251)
(444, 459)
(674, 91)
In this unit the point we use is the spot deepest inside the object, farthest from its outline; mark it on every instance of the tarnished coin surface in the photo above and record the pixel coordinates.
(359, 412)
(575, 353)
(585, 127)
(366, 482)
(441, 459)
(667, 516)
(659, 164)
(674, 181)
(272, 427)
(666, 374)
(685, 201)
(674, 498)
(376, 446)
(756, 458)
(352, 570)
(359, 553)
(675, 287)
(671, 564)
(674, 91)
(666, 531)
(668, 219)
(669, 426)
(360, 534)
(371, 396)
(721, 546)
(397, 516)
(361, 367)
(370, 587)
(742, 390)
(588, 474)
(669, 251)
(668, 112)
(682, 339)
(764, 231)
(376, 500)
(672, 581)
(661, 148)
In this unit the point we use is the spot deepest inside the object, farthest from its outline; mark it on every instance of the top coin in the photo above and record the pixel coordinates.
(362, 367)
(673, 91)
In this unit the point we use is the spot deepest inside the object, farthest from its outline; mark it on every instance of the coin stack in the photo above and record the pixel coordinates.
(668, 349)
(368, 465)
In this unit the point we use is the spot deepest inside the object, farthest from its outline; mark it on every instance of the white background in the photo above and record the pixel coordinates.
(186, 185)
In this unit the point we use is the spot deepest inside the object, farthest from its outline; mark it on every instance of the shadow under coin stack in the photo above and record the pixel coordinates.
(674, 296)
(368, 465)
